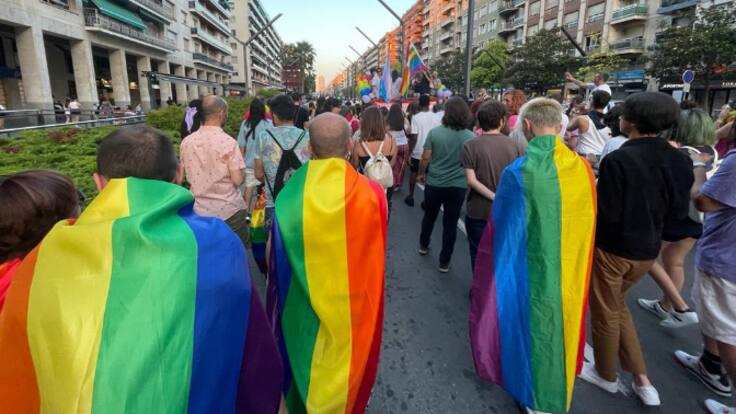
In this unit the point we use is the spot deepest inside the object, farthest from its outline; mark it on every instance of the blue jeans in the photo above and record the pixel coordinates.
(474, 228)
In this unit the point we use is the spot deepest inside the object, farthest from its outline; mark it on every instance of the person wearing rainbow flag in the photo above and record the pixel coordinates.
(140, 305)
(326, 276)
(530, 286)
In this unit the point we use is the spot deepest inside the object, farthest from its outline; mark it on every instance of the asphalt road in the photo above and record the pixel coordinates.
(426, 364)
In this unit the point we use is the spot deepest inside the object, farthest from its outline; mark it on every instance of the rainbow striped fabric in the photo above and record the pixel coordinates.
(140, 306)
(530, 287)
(414, 65)
(326, 281)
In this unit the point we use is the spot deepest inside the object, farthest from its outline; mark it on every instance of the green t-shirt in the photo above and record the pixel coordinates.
(445, 165)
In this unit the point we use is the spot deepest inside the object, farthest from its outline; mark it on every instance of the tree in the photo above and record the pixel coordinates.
(541, 62)
(486, 71)
(451, 69)
(707, 47)
(309, 83)
(301, 54)
(600, 61)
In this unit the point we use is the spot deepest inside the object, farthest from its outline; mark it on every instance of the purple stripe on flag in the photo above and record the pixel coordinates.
(484, 313)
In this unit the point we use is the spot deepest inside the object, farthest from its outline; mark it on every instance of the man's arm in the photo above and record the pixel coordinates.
(423, 163)
(579, 122)
(570, 78)
(236, 176)
(476, 185)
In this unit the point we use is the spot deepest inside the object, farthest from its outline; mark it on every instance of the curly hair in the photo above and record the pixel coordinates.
(518, 98)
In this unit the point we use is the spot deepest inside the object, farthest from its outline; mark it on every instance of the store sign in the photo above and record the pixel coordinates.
(630, 75)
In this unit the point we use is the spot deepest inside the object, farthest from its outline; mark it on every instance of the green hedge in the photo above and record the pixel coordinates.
(72, 150)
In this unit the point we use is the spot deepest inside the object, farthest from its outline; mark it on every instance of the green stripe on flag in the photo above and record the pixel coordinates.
(145, 358)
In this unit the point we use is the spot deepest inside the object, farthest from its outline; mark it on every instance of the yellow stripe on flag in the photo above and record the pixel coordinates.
(325, 252)
(67, 304)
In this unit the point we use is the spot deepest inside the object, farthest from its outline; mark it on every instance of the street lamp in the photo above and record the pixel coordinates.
(401, 35)
(245, 49)
(378, 55)
(468, 47)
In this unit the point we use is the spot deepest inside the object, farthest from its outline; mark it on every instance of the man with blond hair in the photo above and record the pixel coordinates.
(537, 246)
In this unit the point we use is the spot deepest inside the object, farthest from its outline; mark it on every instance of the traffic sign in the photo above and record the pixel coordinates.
(688, 76)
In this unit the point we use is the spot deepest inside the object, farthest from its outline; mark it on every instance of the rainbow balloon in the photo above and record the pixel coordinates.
(530, 287)
(363, 85)
(140, 306)
(326, 286)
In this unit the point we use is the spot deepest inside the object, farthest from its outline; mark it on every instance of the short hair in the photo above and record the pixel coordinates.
(329, 135)
(423, 101)
(137, 151)
(518, 98)
(695, 128)
(283, 107)
(651, 112)
(457, 114)
(372, 125)
(603, 76)
(33, 202)
(213, 105)
(543, 113)
(396, 118)
(490, 114)
(600, 99)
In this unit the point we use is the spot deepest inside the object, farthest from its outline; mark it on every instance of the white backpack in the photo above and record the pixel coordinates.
(378, 168)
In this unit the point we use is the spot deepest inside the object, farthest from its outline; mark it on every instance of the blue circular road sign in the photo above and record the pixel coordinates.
(688, 76)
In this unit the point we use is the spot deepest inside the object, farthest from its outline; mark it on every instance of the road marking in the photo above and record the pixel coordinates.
(460, 222)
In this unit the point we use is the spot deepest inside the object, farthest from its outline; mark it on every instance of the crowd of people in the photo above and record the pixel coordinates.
(663, 176)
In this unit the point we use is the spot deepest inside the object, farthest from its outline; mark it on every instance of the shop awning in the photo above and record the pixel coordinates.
(119, 13)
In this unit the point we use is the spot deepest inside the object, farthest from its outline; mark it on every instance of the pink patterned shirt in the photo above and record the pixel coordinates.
(207, 156)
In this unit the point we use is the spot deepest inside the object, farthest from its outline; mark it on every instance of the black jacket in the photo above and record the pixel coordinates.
(641, 185)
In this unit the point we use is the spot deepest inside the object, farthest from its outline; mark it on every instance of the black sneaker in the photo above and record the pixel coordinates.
(718, 383)
(409, 201)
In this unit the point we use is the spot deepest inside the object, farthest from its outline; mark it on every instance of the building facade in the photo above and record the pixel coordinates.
(135, 52)
(293, 77)
(262, 67)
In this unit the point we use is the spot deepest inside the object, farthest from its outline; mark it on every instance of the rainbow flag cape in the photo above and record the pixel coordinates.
(257, 230)
(414, 65)
(326, 281)
(530, 287)
(140, 306)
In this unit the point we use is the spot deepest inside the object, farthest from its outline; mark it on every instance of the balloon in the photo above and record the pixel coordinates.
(366, 99)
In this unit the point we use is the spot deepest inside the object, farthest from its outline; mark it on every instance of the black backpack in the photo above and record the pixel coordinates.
(288, 164)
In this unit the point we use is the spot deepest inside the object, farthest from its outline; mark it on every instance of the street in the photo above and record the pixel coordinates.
(426, 364)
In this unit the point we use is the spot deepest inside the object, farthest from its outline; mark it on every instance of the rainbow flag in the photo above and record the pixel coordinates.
(530, 287)
(257, 230)
(326, 281)
(139, 306)
(414, 65)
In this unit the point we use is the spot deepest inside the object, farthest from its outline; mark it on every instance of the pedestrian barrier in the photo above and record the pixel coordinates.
(92, 123)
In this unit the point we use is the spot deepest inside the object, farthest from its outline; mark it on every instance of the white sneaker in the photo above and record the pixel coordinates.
(679, 319)
(652, 305)
(714, 407)
(589, 374)
(647, 394)
(588, 353)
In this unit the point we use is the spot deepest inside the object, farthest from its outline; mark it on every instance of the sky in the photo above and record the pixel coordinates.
(329, 25)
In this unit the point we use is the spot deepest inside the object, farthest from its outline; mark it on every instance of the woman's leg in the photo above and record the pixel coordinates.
(673, 258)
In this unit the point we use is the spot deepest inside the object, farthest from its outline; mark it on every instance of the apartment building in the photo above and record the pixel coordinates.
(262, 68)
(133, 52)
(442, 28)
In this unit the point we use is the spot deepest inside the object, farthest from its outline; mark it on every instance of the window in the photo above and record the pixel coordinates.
(595, 12)
(592, 41)
(551, 4)
(550, 24)
(571, 19)
(532, 30)
(534, 8)
(492, 25)
(482, 28)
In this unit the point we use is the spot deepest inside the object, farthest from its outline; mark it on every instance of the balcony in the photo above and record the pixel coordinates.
(216, 21)
(212, 40)
(630, 13)
(162, 9)
(628, 45)
(447, 22)
(517, 43)
(571, 25)
(506, 7)
(203, 59)
(445, 36)
(672, 6)
(446, 50)
(518, 3)
(448, 9)
(62, 4)
(96, 22)
(598, 17)
(220, 7)
(592, 49)
(510, 26)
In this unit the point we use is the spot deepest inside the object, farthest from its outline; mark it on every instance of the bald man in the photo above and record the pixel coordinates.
(328, 244)
(214, 166)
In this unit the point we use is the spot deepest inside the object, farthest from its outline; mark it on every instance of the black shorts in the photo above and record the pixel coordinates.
(414, 167)
(682, 229)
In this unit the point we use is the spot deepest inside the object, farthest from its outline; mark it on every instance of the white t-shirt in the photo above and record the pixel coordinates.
(612, 145)
(399, 137)
(603, 87)
(376, 82)
(564, 123)
(421, 124)
(593, 140)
